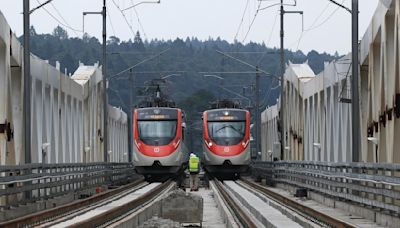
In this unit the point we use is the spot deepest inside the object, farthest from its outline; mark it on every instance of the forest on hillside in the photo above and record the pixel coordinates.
(183, 61)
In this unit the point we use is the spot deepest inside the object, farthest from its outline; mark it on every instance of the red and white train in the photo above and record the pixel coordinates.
(159, 141)
(226, 135)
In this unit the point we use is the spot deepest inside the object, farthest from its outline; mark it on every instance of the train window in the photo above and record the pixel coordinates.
(157, 133)
(226, 133)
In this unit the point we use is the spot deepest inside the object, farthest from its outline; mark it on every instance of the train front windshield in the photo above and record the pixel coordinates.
(226, 133)
(157, 133)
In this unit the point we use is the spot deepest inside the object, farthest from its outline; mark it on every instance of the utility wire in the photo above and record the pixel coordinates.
(141, 62)
(112, 26)
(126, 20)
(138, 19)
(62, 18)
(56, 19)
(252, 22)
(269, 39)
(241, 21)
(313, 26)
(326, 20)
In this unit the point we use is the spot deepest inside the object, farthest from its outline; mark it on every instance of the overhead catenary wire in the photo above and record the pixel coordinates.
(326, 20)
(57, 20)
(252, 22)
(62, 18)
(139, 63)
(139, 22)
(313, 26)
(110, 20)
(241, 21)
(124, 16)
(269, 39)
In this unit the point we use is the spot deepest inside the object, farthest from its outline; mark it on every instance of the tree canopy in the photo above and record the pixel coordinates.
(188, 59)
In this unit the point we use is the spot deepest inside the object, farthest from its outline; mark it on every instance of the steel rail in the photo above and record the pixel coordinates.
(117, 212)
(242, 216)
(54, 213)
(290, 203)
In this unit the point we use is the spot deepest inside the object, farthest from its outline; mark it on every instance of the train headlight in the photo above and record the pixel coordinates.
(176, 144)
(138, 144)
(209, 144)
(245, 143)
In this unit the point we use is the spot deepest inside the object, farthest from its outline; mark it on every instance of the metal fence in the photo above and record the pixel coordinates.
(376, 185)
(29, 183)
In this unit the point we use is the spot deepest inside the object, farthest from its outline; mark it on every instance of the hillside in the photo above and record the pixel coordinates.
(191, 90)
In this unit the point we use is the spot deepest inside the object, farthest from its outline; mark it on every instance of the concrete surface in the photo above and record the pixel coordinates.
(212, 216)
(106, 207)
(264, 213)
(157, 222)
(347, 212)
(182, 207)
(140, 216)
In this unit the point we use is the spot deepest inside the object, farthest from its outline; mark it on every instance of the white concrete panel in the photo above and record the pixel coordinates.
(323, 126)
(66, 112)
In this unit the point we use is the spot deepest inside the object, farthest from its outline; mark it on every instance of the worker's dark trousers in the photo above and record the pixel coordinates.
(194, 181)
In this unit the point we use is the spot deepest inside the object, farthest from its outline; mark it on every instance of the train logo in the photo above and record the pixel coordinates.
(226, 149)
(156, 150)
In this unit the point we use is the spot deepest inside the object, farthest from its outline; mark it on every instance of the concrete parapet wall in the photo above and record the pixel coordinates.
(318, 122)
(66, 112)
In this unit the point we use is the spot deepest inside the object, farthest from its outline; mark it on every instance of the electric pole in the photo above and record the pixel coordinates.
(282, 105)
(281, 113)
(104, 69)
(103, 13)
(258, 115)
(27, 85)
(130, 114)
(355, 104)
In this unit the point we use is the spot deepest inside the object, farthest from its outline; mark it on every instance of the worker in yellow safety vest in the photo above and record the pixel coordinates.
(194, 169)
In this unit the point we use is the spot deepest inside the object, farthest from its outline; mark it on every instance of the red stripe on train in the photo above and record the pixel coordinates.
(158, 151)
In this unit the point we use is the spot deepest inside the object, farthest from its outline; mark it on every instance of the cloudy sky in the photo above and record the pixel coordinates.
(325, 28)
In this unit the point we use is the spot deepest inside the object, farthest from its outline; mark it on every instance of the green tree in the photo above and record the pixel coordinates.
(60, 33)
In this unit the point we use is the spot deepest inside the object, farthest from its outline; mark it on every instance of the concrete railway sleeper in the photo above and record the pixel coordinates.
(67, 210)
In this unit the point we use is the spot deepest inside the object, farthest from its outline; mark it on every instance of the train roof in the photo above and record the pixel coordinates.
(225, 109)
(149, 108)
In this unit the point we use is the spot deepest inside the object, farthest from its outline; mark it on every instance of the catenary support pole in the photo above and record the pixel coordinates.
(27, 85)
(130, 114)
(282, 101)
(258, 114)
(355, 104)
(104, 69)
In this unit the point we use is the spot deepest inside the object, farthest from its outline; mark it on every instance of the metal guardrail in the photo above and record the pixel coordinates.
(370, 184)
(21, 184)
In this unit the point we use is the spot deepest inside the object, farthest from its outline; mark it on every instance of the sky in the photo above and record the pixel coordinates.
(324, 27)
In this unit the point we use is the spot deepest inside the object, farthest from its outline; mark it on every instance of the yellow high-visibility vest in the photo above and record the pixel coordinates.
(194, 164)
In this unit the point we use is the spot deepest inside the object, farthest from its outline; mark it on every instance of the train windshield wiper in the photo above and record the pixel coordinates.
(232, 127)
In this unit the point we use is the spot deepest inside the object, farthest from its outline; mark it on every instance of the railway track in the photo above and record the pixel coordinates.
(252, 205)
(308, 213)
(242, 216)
(104, 208)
